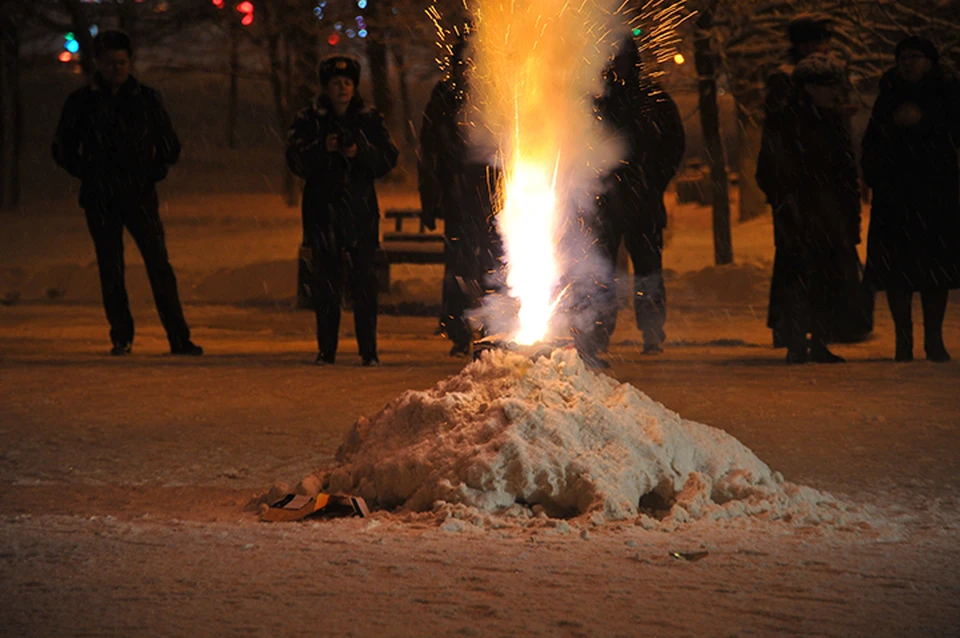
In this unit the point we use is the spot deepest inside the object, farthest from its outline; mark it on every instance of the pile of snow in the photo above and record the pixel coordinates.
(728, 284)
(551, 436)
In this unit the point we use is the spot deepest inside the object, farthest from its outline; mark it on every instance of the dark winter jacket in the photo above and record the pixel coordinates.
(649, 121)
(914, 237)
(808, 172)
(777, 108)
(455, 184)
(339, 200)
(119, 146)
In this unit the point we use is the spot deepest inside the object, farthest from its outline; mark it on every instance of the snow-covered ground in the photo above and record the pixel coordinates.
(131, 485)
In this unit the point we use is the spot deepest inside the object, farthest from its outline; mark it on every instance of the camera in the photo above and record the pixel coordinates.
(346, 139)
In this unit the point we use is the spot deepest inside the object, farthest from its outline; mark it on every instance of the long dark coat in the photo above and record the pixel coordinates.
(340, 207)
(808, 172)
(914, 237)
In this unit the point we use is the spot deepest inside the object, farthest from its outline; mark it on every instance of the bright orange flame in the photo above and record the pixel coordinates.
(536, 66)
(527, 222)
(65, 56)
(679, 59)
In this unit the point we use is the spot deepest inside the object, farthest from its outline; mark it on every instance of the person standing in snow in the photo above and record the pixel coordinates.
(457, 186)
(116, 137)
(910, 161)
(817, 220)
(632, 210)
(340, 147)
(809, 34)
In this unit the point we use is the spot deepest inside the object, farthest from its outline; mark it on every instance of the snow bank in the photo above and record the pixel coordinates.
(552, 435)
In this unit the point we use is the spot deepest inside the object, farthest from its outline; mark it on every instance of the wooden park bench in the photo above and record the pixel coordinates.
(401, 246)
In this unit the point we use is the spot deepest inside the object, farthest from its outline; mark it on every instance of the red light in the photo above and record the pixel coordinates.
(247, 20)
(245, 7)
(65, 56)
(217, 3)
(333, 39)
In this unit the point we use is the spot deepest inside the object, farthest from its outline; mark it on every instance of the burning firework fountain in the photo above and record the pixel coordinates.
(513, 435)
(536, 69)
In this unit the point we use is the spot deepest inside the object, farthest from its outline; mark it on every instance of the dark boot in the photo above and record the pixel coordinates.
(900, 302)
(797, 350)
(819, 353)
(934, 303)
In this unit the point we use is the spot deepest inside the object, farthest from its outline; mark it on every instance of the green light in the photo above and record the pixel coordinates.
(637, 31)
(69, 35)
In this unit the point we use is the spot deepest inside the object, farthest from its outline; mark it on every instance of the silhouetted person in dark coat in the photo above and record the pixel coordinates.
(817, 219)
(852, 320)
(457, 185)
(632, 209)
(910, 161)
(116, 137)
(340, 148)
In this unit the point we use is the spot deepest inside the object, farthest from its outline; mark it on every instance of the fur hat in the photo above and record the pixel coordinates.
(339, 65)
(820, 68)
(918, 43)
(809, 27)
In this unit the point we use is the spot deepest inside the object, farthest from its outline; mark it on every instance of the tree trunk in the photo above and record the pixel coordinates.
(16, 150)
(127, 20)
(377, 56)
(289, 179)
(233, 95)
(81, 30)
(302, 40)
(5, 110)
(710, 123)
(409, 134)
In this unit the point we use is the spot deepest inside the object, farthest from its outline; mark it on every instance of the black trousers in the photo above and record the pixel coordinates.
(333, 269)
(933, 302)
(141, 217)
(808, 294)
(471, 254)
(645, 248)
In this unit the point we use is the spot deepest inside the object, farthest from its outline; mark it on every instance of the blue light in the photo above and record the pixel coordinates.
(338, 26)
(94, 30)
(362, 33)
(72, 46)
(351, 33)
(362, 4)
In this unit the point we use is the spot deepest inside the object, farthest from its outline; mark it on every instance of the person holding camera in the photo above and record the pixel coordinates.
(340, 147)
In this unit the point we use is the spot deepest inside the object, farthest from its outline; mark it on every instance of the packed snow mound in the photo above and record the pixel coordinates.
(510, 430)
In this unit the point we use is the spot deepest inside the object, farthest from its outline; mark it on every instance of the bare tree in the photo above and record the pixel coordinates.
(705, 60)
(750, 37)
